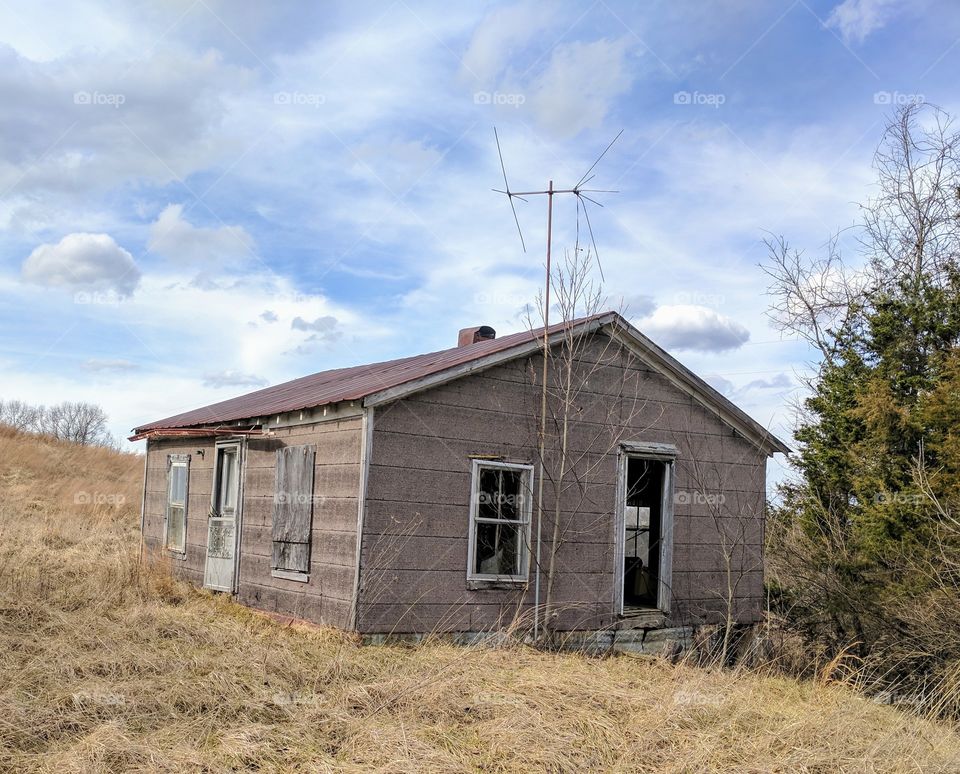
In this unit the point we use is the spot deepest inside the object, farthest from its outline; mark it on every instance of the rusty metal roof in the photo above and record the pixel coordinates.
(392, 378)
(342, 384)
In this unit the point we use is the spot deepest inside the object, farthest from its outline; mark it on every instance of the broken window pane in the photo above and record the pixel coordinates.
(498, 549)
(501, 494)
(500, 520)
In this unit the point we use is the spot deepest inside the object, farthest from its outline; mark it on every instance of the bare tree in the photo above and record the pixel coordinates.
(570, 470)
(77, 422)
(912, 226)
(19, 415)
(812, 298)
(80, 423)
(910, 230)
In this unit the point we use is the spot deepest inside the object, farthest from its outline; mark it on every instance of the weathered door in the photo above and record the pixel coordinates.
(223, 521)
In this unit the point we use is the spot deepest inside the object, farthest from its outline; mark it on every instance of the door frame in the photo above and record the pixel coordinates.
(659, 452)
(241, 446)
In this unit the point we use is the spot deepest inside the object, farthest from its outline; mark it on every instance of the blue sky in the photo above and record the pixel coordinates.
(199, 198)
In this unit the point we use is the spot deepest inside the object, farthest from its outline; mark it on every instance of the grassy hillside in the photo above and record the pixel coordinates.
(107, 666)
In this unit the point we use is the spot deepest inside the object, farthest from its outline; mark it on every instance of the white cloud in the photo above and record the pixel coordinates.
(581, 82)
(325, 325)
(857, 19)
(88, 120)
(498, 36)
(698, 328)
(231, 378)
(176, 239)
(396, 164)
(83, 262)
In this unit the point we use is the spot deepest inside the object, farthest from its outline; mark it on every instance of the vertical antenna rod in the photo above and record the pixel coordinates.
(582, 198)
(542, 436)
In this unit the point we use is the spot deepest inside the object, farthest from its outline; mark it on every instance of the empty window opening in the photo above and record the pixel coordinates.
(643, 519)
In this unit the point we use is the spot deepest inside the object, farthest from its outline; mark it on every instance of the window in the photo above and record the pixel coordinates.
(178, 474)
(227, 489)
(500, 506)
(293, 512)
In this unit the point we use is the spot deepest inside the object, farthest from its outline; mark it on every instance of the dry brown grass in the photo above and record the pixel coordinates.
(109, 667)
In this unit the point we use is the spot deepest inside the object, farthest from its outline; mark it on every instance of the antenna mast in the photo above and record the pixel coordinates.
(582, 198)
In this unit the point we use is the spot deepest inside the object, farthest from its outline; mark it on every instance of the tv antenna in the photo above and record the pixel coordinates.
(581, 193)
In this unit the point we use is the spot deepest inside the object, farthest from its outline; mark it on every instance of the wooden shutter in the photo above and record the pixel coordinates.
(293, 508)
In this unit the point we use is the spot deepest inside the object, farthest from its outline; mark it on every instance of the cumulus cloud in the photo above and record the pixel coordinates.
(269, 316)
(580, 83)
(109, 366)
(698, 328)
(323, 330)
(856, 19)
(175, 238)
(230, 378)
(84, 262)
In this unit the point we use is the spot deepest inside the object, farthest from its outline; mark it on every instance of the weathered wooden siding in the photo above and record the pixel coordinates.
(190, 565)
(327, 596)
(414, 552)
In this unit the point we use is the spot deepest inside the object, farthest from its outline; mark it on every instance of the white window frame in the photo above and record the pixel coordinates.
(176, 460)
(524, 522)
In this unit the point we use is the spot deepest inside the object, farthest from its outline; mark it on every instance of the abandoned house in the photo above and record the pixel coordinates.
(433, 494)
